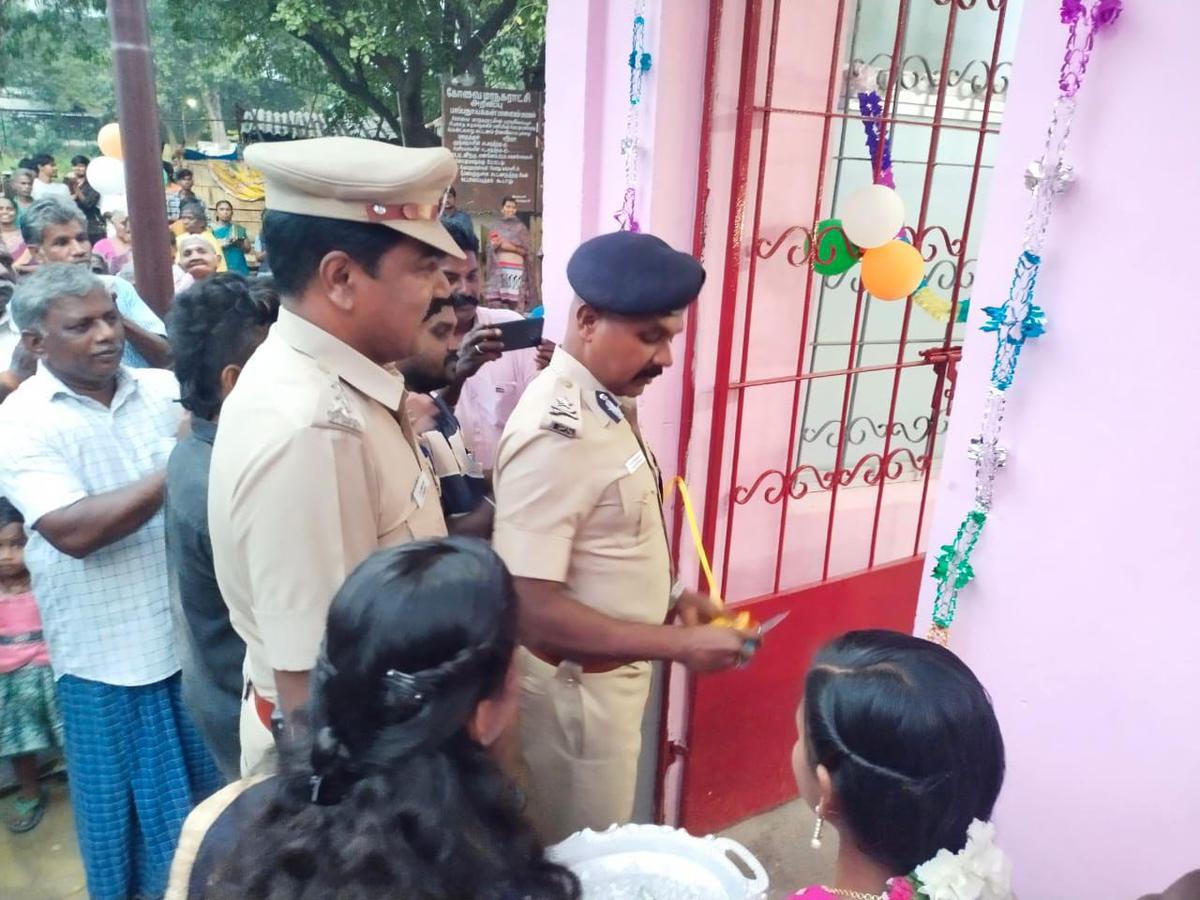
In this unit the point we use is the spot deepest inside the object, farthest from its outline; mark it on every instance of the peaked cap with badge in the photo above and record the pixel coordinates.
(360, 180)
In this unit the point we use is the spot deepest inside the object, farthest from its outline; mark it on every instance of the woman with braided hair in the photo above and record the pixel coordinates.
(388, 788)
(899, 751)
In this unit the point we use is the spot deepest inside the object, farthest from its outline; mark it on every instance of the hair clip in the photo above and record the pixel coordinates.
(407, 684)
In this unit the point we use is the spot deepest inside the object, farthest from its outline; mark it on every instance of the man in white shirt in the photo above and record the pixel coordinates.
(56, 231)
(84, 456)
(9, 336)
(488, 382)
(47, 184)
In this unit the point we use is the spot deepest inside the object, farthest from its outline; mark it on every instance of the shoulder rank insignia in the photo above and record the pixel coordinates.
(609, 404)
(340, 412)
(562, 415)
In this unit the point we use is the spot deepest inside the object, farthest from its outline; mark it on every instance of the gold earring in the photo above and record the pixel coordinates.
(815, 843)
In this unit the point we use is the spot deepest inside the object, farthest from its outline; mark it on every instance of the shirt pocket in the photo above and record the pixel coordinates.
(398, 501)
(504, 399)
(639, 500)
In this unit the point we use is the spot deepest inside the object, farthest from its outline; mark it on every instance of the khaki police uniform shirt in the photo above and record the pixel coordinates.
(578, 496)
(312, 471)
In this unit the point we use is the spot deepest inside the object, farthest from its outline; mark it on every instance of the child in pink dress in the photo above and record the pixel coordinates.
(900, 752)
(29, 719)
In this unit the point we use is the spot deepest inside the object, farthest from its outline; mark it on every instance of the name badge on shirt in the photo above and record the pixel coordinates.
(635, 462)
(421, 489)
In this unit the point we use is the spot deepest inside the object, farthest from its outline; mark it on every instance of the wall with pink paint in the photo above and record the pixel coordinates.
(1083, 618)
(587, 100)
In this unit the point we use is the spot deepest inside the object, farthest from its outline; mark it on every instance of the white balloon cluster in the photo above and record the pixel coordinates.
(107, 176)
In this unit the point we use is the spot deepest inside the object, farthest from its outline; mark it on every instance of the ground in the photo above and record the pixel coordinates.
(44, 864)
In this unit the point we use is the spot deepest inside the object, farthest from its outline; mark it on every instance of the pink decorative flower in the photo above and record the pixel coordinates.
(1071, 10)
(1106, 12)
(900, 889)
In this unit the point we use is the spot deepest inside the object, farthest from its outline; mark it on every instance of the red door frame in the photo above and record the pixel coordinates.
(879, 596)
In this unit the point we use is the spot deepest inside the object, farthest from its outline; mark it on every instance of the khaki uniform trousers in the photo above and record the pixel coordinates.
(581, 734)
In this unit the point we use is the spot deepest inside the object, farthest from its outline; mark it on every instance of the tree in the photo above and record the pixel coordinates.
(57, 53)
(369, 59)
(386, 57)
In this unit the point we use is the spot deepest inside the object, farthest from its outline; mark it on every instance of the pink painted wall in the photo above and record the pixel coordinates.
(587, 98)
(1083, 618)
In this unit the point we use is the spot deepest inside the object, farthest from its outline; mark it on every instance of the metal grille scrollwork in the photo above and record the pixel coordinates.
(860, 428)
(916, 74)
(805, 478)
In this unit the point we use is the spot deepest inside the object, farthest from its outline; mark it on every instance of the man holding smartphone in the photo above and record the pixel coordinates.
(489, 378)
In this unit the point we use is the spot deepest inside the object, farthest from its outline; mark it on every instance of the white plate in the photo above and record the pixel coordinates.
(654, 862)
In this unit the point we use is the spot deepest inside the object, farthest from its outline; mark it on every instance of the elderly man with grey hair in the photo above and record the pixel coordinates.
(84, 455)
(56, 232)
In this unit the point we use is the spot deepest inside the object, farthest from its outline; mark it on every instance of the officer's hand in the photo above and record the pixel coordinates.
(545, 350)
(712, 648)
(482, 345)
(695, 608)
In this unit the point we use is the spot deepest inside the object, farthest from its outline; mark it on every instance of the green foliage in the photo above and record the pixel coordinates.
(385, 59)
(516, 57)
(350, 61)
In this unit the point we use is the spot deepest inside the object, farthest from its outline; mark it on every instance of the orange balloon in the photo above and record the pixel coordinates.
(893, 271)
(109, 140)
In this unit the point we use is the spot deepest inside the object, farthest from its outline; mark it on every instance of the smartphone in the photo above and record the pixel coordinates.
(520, 335)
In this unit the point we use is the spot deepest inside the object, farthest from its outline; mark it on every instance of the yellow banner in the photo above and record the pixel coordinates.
(238, 180)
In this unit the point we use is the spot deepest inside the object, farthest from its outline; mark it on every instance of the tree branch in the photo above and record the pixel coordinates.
(354, 87)
(417, 134)
(475, 44)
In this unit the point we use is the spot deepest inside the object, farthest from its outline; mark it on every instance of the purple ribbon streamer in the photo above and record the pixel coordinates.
(1085, 23)
(626, 216)
(870, 107)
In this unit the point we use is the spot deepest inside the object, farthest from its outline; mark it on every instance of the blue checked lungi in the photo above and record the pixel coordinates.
(136, 766)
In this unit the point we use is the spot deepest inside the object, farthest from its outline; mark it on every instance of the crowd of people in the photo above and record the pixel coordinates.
(330, 585)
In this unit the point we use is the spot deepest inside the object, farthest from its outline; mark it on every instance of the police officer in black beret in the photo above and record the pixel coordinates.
(579, 523)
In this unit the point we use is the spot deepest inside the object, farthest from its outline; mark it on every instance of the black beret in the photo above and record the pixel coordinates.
(634, 274)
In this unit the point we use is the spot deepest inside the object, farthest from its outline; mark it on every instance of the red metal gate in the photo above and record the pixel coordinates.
(827, 405)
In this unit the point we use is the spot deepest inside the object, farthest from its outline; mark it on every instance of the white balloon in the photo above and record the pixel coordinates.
(872, 216)
(113, 202)
(106, 175)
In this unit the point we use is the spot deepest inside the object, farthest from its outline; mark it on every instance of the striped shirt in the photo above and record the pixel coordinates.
(106, 617)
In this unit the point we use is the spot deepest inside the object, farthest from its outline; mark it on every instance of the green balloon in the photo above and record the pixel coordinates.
(835, 254)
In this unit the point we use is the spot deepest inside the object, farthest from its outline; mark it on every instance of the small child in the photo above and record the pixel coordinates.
(29, 719)
(900, 751)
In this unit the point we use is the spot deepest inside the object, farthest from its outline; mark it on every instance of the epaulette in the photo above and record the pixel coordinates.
(339, 410)
(564, 414)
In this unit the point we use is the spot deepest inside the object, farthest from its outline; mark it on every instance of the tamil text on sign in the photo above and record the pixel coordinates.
(494, 136)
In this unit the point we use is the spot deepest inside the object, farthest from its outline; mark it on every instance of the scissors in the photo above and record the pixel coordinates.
(744, 622)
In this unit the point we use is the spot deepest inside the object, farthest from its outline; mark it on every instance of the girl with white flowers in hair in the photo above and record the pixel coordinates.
(899, 750)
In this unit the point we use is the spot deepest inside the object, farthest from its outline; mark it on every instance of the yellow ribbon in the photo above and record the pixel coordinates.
(742, 621)
(697, 539)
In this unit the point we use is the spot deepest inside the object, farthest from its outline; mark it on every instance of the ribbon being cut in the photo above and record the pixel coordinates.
(1018, 318)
